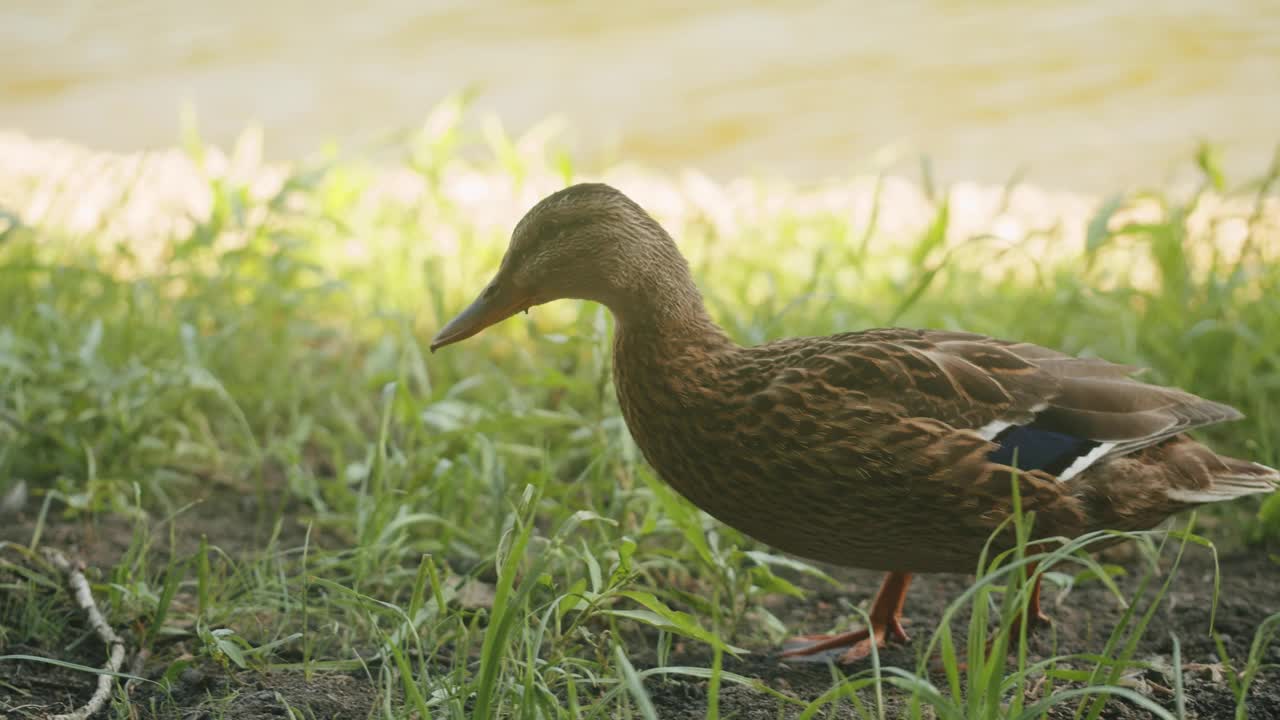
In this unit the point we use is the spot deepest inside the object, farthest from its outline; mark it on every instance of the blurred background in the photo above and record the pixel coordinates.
(803, 89)
(229, 230)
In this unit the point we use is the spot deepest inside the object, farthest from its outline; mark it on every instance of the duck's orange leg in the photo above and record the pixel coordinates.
(1035, 615)
(886, 623)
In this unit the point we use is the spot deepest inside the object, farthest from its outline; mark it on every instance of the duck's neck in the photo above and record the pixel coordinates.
(663, 312)
(668, 357)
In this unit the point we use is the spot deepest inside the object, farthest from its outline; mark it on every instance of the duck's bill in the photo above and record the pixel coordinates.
(490, 308)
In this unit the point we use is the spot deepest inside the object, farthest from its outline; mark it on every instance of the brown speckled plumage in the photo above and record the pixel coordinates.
(870, 449)
(860, 449)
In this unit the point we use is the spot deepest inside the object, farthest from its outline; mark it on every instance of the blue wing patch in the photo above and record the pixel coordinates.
(1038, 449)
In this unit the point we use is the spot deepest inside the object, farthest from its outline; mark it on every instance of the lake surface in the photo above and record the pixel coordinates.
(1084, 94)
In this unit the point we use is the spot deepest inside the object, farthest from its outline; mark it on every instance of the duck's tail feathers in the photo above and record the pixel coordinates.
(1236, 478)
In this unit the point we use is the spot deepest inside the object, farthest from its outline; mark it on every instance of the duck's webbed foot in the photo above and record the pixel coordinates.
(886, 624)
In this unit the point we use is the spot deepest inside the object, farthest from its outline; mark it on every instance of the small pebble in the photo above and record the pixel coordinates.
(193, 676)
(15, 499)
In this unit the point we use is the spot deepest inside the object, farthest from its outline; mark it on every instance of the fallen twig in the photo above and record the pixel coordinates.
(135, 669)
(84, 598)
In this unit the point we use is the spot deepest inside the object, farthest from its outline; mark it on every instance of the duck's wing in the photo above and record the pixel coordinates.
(1040, 408)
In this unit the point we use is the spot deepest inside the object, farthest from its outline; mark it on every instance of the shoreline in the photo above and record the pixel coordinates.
(147, 197)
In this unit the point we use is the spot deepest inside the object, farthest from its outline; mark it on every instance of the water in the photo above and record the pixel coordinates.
(1086, 94)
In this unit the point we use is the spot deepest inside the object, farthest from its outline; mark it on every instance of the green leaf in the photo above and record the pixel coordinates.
(790, 563)
(1209, 160)
(635, 685)
(225, 642)
(573, 599)
(1098, 232)
(663, 617)
(934, 237)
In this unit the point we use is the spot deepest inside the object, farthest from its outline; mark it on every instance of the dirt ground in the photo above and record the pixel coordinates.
(1250, 592)
(1082, 620)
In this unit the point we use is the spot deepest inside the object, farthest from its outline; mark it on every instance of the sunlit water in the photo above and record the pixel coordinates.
(1089, 94)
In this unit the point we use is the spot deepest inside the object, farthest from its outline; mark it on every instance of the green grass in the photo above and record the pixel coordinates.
(279, 359)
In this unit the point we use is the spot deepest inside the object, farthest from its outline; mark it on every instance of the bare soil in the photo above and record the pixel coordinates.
(1082, 619)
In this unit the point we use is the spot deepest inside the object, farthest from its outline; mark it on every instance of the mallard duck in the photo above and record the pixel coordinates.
(892, 449)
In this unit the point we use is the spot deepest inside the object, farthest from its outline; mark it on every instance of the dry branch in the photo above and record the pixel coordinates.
(84, 598)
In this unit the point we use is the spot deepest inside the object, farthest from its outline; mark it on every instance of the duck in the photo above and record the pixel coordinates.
(892, 449)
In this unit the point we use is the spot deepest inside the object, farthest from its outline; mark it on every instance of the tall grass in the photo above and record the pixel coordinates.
(278, 358)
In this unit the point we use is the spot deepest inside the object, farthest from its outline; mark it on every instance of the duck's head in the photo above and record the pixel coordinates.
(587, 241)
